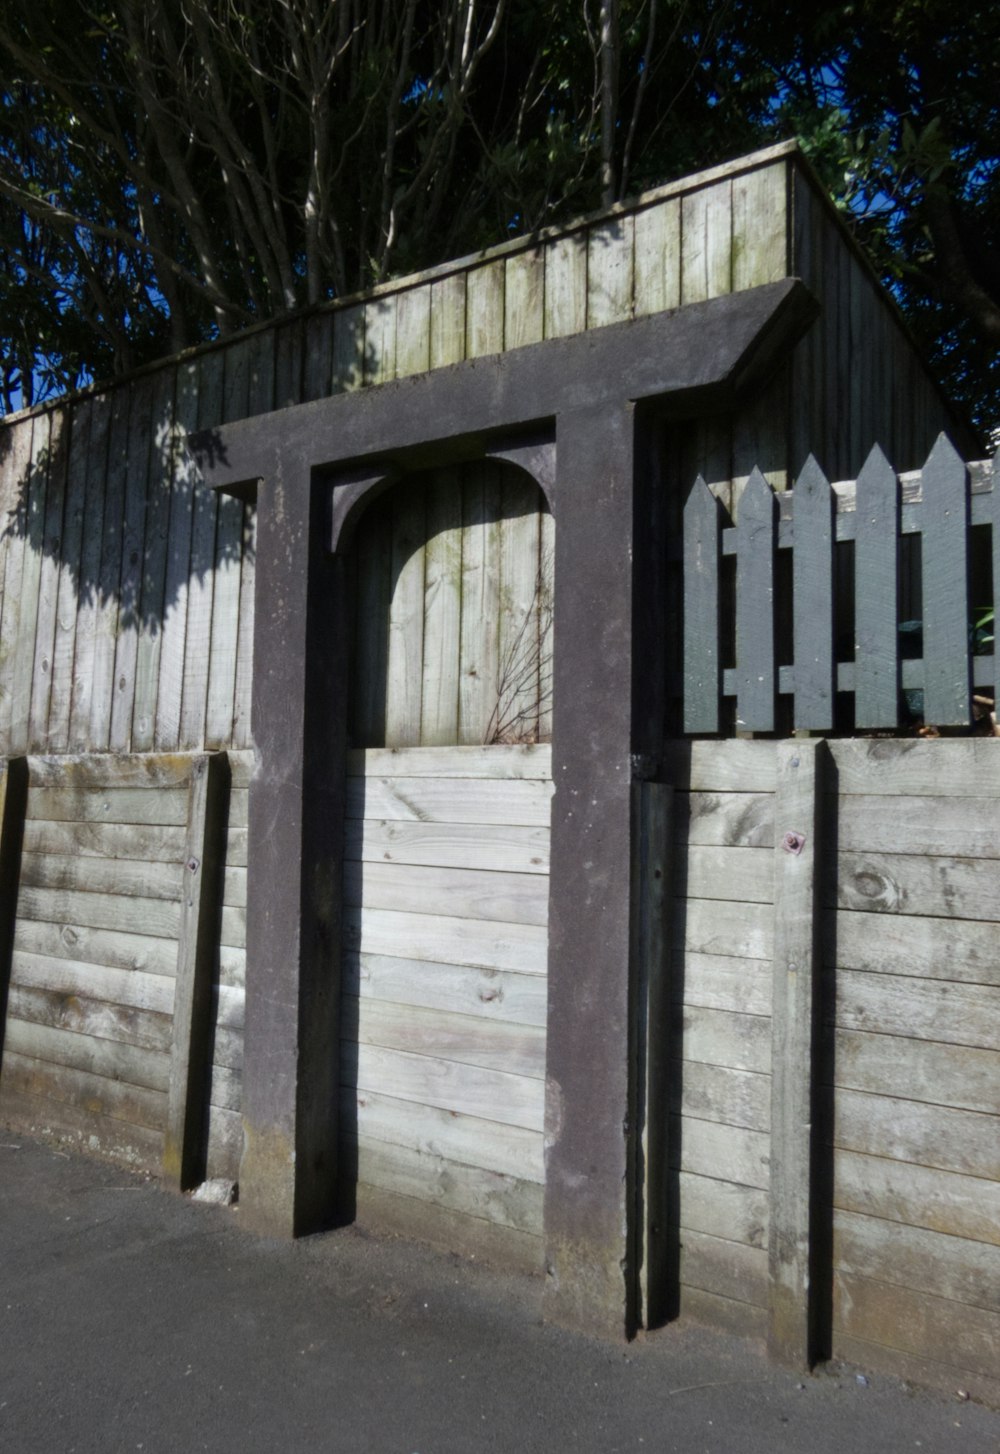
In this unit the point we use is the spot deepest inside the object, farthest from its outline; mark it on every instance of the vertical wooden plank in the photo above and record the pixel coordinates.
(184, 1146)
(995, 515)
(32, 545)
(170, 689)
(154, 565)
(404, 682)
(566, 285)
(201, 578)
(288, 363)
(860, 348)
(657, 283)
(70, 582)
(98, 465)
(702, 653)
(318, 356)
(442, 610)
(48, 589)
(262, 366)
(16, 488)
(373, 550)
(876, 574)
(610, 272)
(808, 417)
(760, 226)
(812, 595)
(546, 616)
(945, 551)
(480, 603)
(13, 802)
(755, 667)
(484, 310)
(244, 645)
(793, 1279)
(706, 243)
(380, 340)
(126, 647)
(348, 366)
(652, 839)
(413, 331)
(448, 320)
(219, 705)
(515, 716)
(524, 298)
(97, 627)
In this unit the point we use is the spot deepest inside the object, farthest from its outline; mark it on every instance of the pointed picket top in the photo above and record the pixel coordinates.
(945, 546)
(702, 682)
(756, 539)
(814, 540)
(876, 595)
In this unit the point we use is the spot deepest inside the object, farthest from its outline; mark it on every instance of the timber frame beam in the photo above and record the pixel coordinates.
(578, 413)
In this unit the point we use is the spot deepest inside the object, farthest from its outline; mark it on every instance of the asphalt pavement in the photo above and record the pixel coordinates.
(132, 1318)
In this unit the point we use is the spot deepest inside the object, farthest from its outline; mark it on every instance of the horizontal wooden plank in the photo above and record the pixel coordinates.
(520, 947)
(720, 1037)
(226, 1087)
(743, 1320)
(106, 840)
(450, 800)
(918, 1070)
(519, 999)
(148, 1029)
(962, 828)
(467, 1189)
(234, 888)
(945, 767)
(962, 1206)
(229, 1007)
(913, 946)
(736, 765)
(99, 771)
(720, 1208)
(242, 766)
(225, 1143)
(728, 1269)
(463, 893)
(129, 1063)
(896, 883)
(467, 1039)
(921, 1009)
(511, 1150)
(134, 989)
(725, 1153)
(236, 847)
(909, 1368)
(167, 806)
(726, 820)
(232, 966)
(722, 983)
(936, 1136)
(717, 1093)
(949, 1267)
(915, 1322)
(111, 876)
(85, 1128)
(533, 761)
(492, 1095)
(712, 926)
(134, 1104)
(449, 845)
(158, 918)
(745, 875)
(227, 1048)
(384, 1212)
(233, 927)
(97, 946)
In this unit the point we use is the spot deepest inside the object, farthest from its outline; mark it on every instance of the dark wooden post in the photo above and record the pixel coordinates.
(13, 806)
(288, 1170)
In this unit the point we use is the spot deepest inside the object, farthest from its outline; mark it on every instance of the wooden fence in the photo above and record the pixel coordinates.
(736, 630)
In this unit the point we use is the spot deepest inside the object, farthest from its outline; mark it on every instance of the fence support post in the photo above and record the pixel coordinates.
(792, 1331)
(13, 805)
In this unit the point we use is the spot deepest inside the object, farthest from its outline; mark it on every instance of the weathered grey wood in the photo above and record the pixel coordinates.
(920, 1196)
(464, 1039)
(95, 653)
(961, 828)
(501, 760)
(102, 876)
(939, 1137)
(566, 285)
(484, 310)
(945, 553)
(524, 298)
(183, 477)
(716, 1093)
(914, 1369)
(509, 1150)
(442, 611)
(652, 846)
(449, 845)
(27, 552)
(219, 704)
(792, 1259)
(108, 805)
(876, 571)
(995, 524)
(760, 226)
(950, 1075)
(61, 693)
(318, 355)
(493, 1095)
(610, 272)
(373, 551)
(448, 320)
(727, 1269)
(201, 581)
(725, 1037)
(523, 803)
(413, 332)
(812, 585)
(715, 926)
(702, 651)
(723, 1209)
(13, 797)
(482, 942)
(67, 907)
(963, 1338)
(515, 717)
(288, 363)
(54, 943)
(755, 662)
(96, 772)
(960, 768)
(726, 820)
(86, 1091)
(151, 601)
(745, 875)
(184, 1151)
(706, 242)
(914, 883)
(129, 625)
(704, 1148)
(85, 1128)
(479, 646)
(517, 999)
(48, 588)
(462, 893)
(80, 1015)
(98, 1055)
(16, 478)
(721, 767)
(348, 364)
(921, 1009)
(657, 258)
(406, 620)
(720, 983)
(106, 841)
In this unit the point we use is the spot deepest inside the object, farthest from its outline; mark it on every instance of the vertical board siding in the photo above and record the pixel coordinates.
(443, 1051)
(454, 611)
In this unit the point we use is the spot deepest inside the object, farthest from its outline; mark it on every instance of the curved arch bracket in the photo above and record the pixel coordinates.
(537, 457)
(351, 491)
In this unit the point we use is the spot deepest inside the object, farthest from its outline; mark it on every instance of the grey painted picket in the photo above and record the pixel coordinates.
(701, 610)
(812, 589)
(946, 586)
(756, 538)
(876, 568)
